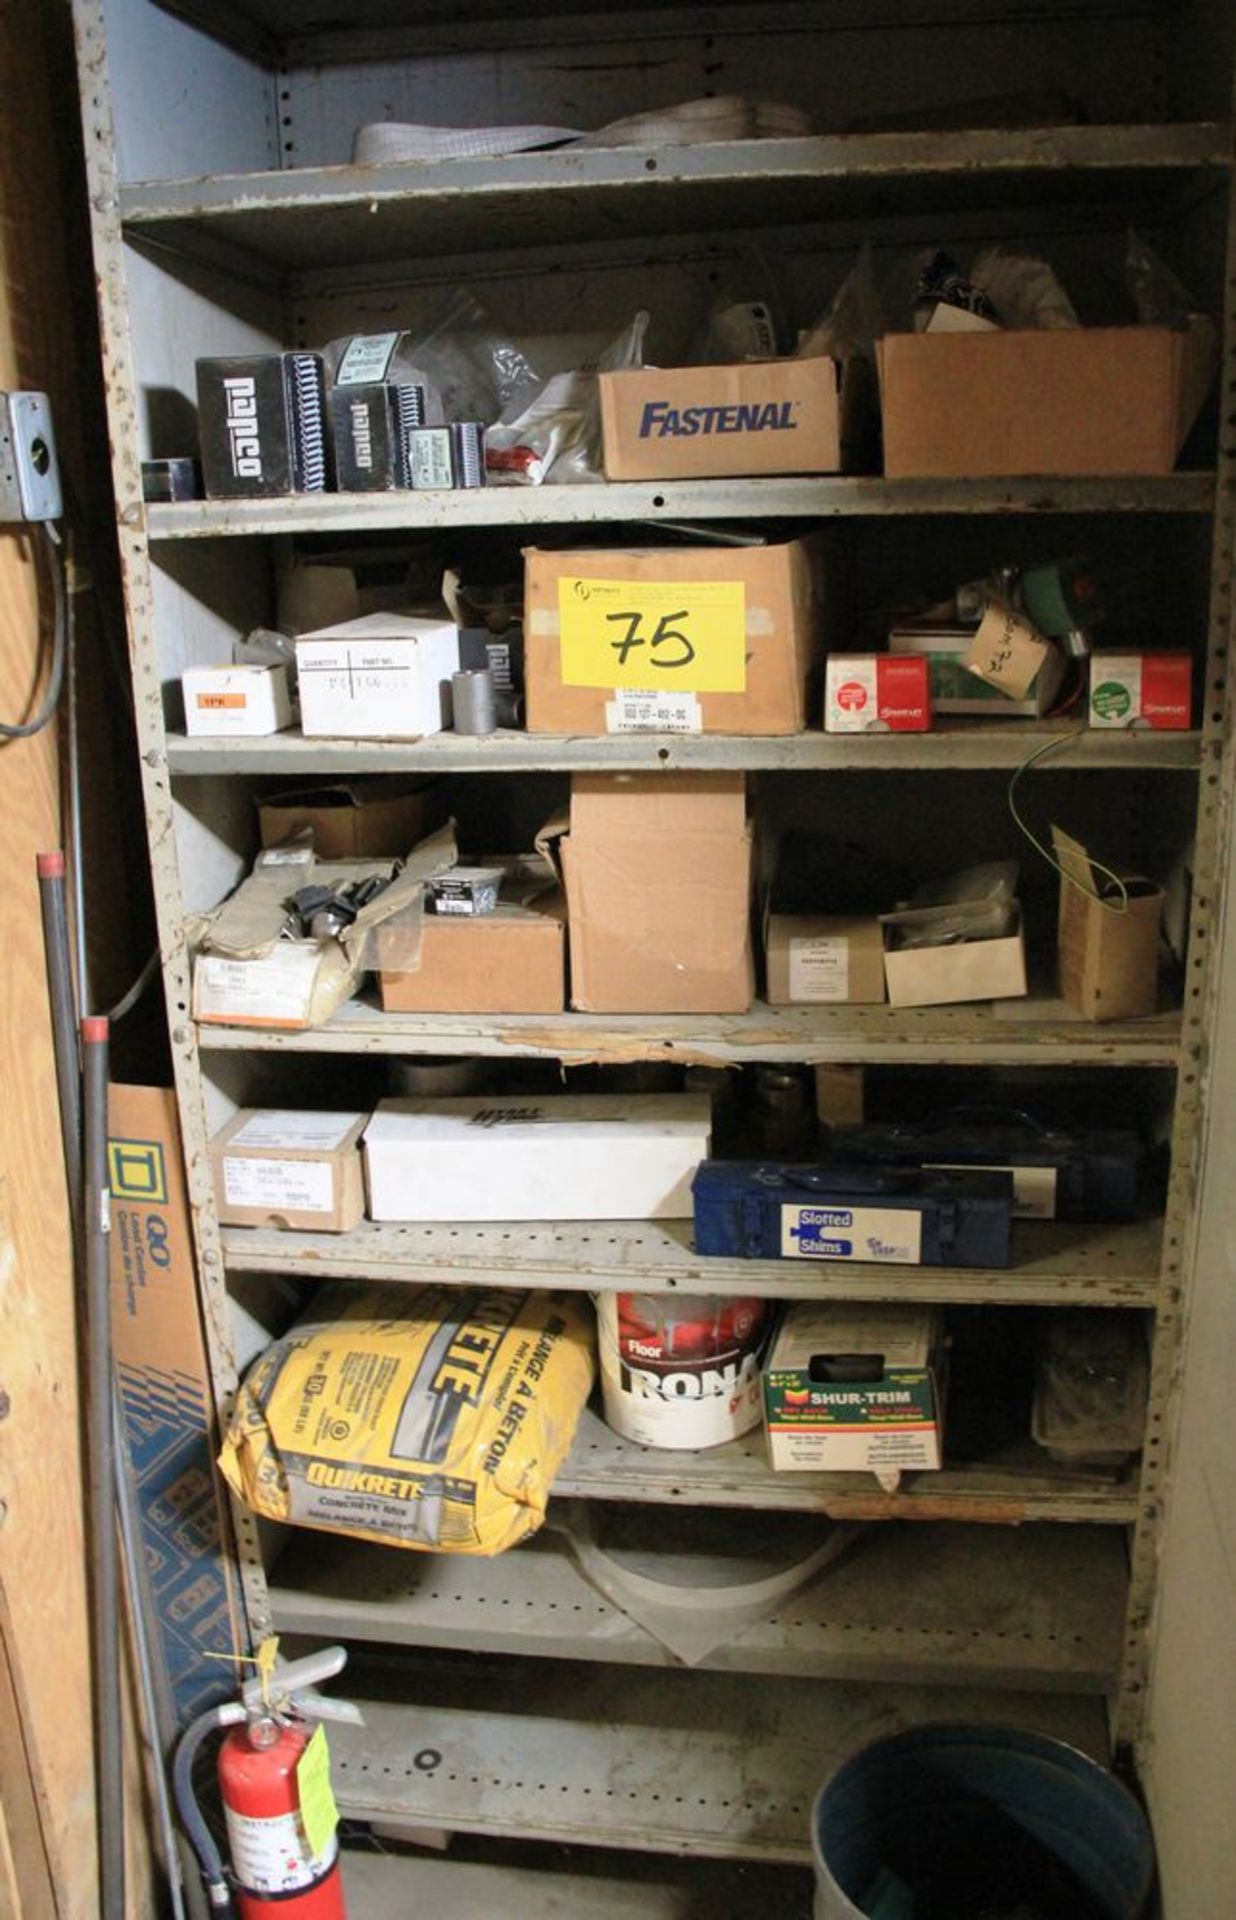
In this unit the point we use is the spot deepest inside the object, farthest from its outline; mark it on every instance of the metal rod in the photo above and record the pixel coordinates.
(101, 1454)
(51, 872)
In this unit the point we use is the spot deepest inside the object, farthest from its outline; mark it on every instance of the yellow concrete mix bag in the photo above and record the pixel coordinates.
(433, 1418)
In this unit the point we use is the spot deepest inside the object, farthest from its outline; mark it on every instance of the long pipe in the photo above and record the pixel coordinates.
(51, 872)
(101, 1433)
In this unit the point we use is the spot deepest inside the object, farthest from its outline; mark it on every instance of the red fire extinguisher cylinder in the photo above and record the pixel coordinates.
(275, 1874)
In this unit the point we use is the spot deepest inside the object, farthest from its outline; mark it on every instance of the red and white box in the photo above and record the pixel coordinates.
(1141, 690)
(876, 693)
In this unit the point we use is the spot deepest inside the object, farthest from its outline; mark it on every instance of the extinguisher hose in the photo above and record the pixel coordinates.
(214, 1874)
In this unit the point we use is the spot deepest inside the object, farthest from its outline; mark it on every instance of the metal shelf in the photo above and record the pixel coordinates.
(294, 219)
(695, 1763)
(1036, 1608)
(1019, 1485)
(999, 1033)
(950, 746)
(378, 1885)
(791, 497)
(1053, 1264)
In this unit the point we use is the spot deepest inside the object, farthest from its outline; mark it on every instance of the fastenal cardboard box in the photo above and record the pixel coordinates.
(762, 416)
(1080, 400)
(673, 639)
(290, 1169)
(229, 701)
(658, 882)
(165, 1393)
(851, 1388)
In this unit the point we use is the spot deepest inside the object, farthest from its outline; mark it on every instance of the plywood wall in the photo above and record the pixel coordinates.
(47, 1849)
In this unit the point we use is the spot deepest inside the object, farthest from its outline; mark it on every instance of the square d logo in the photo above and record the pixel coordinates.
(136, 1170)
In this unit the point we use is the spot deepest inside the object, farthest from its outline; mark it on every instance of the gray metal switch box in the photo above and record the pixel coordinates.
(29, 471)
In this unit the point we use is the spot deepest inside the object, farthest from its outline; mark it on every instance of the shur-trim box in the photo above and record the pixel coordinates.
(848, 1388)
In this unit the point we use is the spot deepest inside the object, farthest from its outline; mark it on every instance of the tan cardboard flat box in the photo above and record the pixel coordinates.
(785, 612)
(510, 961)
(814, 959)
(969, 970)
(658, 882)
(290, 1169)
(1087, 400)
(1108, 961)
(360, 819)
(764, 416)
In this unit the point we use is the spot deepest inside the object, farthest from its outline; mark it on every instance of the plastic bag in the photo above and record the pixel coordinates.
(854, 320)
(434, 1418)
(1023, 290)
(1160, 298)
(457, 353)
(557, 435)
(979, 903)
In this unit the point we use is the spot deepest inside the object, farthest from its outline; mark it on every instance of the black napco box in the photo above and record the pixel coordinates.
(262, 420)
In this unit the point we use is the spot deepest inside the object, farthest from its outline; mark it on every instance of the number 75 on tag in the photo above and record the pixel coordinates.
(687, 636)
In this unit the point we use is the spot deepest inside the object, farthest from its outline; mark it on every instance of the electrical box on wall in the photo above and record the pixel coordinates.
(29, 471)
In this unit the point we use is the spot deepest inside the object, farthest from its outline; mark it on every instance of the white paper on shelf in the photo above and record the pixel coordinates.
(291, 1127)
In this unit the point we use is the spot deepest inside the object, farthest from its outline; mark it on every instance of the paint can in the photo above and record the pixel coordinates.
(681, 1370)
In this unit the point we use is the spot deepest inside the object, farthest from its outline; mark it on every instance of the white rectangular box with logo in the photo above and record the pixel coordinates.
(564, 1157)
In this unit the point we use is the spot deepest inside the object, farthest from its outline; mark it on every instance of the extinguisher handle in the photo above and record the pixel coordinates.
(292, 1686)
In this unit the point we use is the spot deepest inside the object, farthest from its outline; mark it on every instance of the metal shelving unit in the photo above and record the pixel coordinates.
(1052, 1265)
(517, 1703)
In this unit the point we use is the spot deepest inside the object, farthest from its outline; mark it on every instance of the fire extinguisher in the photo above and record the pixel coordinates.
(284, 1856)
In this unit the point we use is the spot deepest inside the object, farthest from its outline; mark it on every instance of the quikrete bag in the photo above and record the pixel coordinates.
(433, 1419)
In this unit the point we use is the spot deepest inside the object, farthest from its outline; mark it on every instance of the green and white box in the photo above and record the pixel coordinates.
(850, 1388)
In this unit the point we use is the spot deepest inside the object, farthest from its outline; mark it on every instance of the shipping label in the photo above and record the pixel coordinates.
(681, 636)
(278, 988)
(281, 1186)
(317, 1132)
(889, 1235)
(632, 711)
(820, 967)
(366, 359)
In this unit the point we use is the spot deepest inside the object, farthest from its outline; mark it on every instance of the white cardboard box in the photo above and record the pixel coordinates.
(386, 676)
(231, 701)
(565, 1157)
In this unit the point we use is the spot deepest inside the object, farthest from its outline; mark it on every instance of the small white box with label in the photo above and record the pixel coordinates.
(386, 676)
(231, 701)
(564, 1157)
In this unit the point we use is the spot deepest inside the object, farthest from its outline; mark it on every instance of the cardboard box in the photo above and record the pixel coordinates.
(510, 961)
(968, 970)
(567, 1157)
(377, 817)
(277, 1168)
(386, 676)
(658, 883)
(1141, 690)
(710, 639)
(817, 958)
(763, 416)
(954, 689)
(1086, 400)
(246, 974)
(850, 1388)
(168, 1404)
(1108, 959)
(876, 693)
(235, 701)
(1009, 654)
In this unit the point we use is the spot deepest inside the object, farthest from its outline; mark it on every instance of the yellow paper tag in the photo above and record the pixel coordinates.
(679, 636)
(318, 1812)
